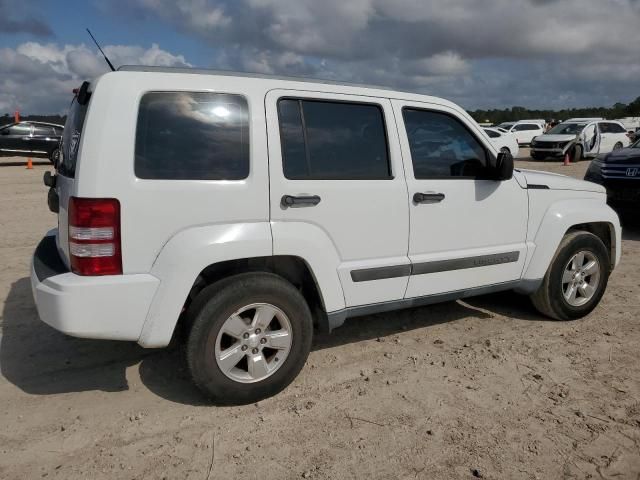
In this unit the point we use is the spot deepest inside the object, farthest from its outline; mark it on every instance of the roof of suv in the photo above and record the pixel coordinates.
(228, 73)
(231, 73)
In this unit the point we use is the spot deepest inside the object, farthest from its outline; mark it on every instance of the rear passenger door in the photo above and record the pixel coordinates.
(43, 139)
(466, 231)
(338, 193)
(611, 134)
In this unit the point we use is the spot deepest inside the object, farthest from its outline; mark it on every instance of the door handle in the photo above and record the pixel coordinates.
(299, 201)
(429, 197)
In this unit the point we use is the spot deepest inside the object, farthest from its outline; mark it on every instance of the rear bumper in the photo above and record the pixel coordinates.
(112, 307)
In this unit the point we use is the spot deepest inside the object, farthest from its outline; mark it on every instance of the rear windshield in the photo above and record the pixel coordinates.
(71, 138)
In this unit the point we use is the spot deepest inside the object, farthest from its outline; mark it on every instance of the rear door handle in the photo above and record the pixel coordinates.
(428, 197)
(299, 201)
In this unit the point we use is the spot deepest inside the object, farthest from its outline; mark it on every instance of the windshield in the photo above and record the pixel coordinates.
(71, 138)
(567, 129)
(637, 144)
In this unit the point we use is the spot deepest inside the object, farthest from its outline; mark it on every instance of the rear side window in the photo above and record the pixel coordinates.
(192, 136)
(71, 138)
(442, 147)
(611, 128)
(43, 130)
(327, 140)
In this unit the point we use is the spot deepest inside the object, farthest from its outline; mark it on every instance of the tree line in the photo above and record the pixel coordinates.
(619, 110)
(6, 119)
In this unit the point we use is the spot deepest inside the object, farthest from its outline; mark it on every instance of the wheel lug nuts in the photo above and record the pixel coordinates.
(258, 331)
(244, 348)
(263, 341)
(245, 335)
(254, 351)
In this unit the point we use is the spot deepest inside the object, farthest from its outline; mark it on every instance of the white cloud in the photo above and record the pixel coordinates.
(448, 48)
(39, 78)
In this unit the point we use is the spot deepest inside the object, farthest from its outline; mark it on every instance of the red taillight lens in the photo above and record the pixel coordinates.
(94, 236)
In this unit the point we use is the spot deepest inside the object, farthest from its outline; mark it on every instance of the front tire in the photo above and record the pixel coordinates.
(576, 278)
(538, 156)
(250, 337)
(617, 146)
(54, 156)
(577, 154)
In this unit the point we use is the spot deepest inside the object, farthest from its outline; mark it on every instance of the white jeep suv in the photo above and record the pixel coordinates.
(247, 210)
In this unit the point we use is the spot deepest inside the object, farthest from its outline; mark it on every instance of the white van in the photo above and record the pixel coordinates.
(244, 210)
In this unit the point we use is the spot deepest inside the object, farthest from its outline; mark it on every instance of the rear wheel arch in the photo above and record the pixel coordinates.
(293, 269)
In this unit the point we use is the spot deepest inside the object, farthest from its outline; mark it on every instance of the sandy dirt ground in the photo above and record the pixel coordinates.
(483, 388)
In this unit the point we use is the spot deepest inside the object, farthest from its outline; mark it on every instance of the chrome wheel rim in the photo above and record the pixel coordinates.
(253, 343)
(580, 278)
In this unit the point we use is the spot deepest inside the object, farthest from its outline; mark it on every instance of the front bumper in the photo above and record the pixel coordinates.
(549, 152)
(112, 307)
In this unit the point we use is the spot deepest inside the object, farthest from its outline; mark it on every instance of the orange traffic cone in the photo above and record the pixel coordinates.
(566, 159)
(29, 164)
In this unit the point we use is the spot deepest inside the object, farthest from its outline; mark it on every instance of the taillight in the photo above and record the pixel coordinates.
(94, 236)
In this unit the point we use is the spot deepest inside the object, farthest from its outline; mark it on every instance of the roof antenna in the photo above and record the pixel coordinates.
(103, 54)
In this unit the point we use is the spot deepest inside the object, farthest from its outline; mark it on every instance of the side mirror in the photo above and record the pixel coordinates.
(504, 166)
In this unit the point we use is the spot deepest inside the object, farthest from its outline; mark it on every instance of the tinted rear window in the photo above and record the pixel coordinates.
(611, 128)
(71, 138)
(333, 140)
(192, 136)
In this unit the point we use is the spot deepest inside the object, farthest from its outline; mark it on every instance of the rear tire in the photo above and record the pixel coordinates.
(235, 366)
(617, 146)
(554, 297)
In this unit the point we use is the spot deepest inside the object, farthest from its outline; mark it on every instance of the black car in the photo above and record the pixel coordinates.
(36, 139)
(619, 173)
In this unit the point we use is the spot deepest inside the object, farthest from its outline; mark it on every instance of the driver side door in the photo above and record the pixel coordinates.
(466, 231)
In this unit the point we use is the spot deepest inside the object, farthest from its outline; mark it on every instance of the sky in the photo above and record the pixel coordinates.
(547, 54)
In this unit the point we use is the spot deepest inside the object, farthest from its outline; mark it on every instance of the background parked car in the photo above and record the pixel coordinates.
(36, 139)
(581, 138)
(619, 173)
(505, 142)
(523, 131)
